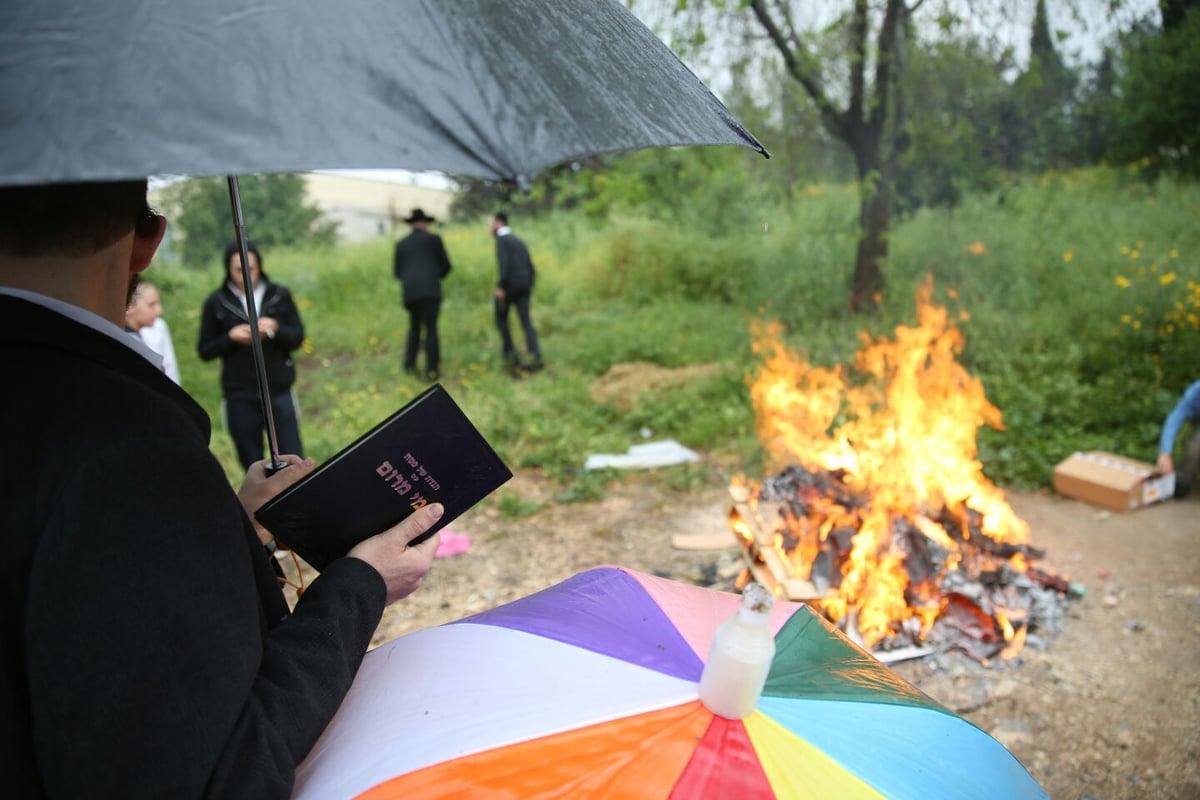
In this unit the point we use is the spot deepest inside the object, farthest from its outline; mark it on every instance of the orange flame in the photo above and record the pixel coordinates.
(901, 425)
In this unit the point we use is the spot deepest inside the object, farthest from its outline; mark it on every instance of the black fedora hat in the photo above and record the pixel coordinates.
(418, 215)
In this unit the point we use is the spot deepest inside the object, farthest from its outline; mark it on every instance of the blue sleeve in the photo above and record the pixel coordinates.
(1187, 408)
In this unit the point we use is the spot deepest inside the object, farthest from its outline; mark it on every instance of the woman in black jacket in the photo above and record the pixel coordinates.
(225, 334)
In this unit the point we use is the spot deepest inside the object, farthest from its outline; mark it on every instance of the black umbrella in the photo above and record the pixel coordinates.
(495, 90)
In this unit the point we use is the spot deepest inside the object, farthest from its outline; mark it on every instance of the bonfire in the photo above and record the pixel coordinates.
(883, 509)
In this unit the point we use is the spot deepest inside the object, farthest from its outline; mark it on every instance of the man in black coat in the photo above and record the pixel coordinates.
(147, 648)
(514, 288)
(420, 263)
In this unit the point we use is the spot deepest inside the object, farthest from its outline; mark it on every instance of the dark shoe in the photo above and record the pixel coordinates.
(534, 366)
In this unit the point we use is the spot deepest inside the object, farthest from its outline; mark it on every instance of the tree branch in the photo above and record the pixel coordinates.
(808, 77)
(858, 58)
(888, 32)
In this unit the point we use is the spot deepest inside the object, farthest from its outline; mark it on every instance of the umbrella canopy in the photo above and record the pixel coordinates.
(590, 689)
(124, 88)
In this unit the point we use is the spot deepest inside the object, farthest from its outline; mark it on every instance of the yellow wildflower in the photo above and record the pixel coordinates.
(1166, 278)
(1067, 256)
(976, 248)
(1122, 281)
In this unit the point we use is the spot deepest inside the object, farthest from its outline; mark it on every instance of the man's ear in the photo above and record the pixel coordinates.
(147, 237)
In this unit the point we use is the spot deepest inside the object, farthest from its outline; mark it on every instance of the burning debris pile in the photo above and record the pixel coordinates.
(883, 519)
(960, 588)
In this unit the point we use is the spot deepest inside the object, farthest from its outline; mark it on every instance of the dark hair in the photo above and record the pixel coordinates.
(501, 216)
(71, 219)
(232, 248)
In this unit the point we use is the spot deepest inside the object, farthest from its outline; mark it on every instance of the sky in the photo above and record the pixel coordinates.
(1086, 24)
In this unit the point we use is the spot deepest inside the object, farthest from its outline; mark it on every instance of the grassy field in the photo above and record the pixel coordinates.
(1079, 295)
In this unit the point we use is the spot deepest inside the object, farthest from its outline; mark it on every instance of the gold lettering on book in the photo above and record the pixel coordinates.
(401, 484)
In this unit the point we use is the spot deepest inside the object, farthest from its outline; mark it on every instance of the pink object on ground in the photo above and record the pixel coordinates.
(452, 544)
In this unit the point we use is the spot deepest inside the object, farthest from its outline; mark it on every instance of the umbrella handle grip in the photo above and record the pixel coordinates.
(271, 467)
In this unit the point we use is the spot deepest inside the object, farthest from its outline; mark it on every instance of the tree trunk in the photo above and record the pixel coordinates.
(864, 125)
(874, 217)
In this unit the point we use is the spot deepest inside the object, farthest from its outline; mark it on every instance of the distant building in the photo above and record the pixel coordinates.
(365, 208)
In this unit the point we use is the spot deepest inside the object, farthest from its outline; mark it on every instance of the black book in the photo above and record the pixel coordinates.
(428, 451)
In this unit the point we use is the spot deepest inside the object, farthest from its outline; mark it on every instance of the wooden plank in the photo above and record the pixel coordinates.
(767, 566)
(717, 540)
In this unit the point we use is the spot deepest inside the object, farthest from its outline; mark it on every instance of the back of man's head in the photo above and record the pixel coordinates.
(68, 219)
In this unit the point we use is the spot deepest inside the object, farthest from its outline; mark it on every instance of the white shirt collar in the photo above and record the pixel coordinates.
(504, 230)
(91, 320)
(260, 291)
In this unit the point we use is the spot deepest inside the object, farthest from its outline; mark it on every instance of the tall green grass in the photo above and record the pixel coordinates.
(1079, 318)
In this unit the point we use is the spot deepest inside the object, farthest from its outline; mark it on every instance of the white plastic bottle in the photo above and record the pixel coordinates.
(740, 657)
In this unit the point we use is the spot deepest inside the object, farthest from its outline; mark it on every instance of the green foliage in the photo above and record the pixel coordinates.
(273, 207)
(1078, 295)
(514, 505)
(1082, 296)
(1159, 110)
(957, 124)
(584, 486)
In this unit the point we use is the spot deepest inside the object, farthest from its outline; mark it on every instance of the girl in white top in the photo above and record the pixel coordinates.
(144, 317)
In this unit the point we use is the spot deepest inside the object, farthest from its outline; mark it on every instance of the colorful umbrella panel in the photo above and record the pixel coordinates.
(590, 689)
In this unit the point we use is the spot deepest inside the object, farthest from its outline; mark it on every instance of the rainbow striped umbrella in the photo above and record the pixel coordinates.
(589, 689)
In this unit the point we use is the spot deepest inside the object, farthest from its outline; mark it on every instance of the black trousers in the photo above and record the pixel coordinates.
(521, 301)
(422, 314)
(247, 428)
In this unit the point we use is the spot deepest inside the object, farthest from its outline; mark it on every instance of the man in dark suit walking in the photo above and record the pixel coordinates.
(515, 288)
(420, 264)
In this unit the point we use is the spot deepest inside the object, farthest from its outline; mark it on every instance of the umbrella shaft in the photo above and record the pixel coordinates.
(264, 391)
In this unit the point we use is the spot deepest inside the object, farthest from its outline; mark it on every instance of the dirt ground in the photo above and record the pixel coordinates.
(1110, 708)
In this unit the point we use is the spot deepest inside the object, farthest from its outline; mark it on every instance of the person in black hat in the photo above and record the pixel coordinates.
(420, 263)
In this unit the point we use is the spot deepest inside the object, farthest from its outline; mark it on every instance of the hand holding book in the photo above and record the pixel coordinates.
(427, 452)
(401, 563)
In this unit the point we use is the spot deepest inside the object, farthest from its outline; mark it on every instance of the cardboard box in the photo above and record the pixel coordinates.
(1112, 482)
